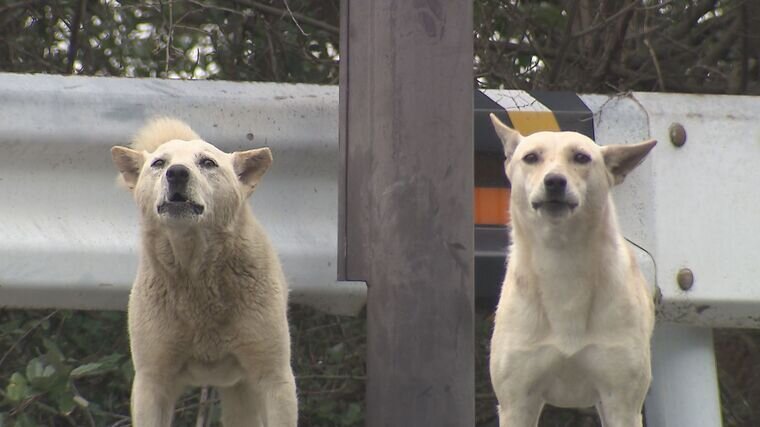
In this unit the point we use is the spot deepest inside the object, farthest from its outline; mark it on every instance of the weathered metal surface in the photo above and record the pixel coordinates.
(693, 205)
(68, 235)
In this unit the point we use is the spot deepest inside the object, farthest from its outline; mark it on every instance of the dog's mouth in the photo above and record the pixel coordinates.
(179, 204)
(555, 207)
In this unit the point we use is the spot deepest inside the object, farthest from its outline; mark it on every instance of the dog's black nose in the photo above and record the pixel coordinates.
(177, 175)
(555, 183)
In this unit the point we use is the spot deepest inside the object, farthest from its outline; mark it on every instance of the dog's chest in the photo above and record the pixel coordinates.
(206, 300)
(208, 314)
(568, 301)
(209, 343)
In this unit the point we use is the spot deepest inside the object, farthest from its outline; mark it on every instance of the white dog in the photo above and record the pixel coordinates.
(209, 303)
(575, 317)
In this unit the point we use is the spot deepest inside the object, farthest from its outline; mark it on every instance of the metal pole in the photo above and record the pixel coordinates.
(407, 225)
(684, 388)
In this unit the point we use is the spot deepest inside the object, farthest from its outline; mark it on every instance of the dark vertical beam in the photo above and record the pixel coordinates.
(406, 130)
(342, 137)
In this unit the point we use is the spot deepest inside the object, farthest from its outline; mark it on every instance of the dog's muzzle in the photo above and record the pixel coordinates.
(555, 201)
(178, 203)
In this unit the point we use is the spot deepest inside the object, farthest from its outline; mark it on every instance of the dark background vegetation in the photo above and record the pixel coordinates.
(64, 368)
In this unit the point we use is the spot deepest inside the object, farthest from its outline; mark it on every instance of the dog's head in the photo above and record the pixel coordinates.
(555, 175)
(190, 182)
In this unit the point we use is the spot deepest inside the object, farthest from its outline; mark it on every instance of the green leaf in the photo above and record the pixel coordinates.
(103, 365)
(87, 370)
(54, 354)
(111, 361)
(18, 388)
(39, 374)
(34, 368)
(66, 404)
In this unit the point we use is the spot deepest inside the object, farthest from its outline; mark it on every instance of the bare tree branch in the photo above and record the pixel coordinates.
(697, 11)
(74, 39)
(281, 12)
(557, 65)
(18, 4)
(606, 22)
(660, 79)
(613, 47)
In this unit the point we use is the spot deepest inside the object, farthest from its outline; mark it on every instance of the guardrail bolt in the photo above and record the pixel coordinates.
(685, 279)
(677, 134)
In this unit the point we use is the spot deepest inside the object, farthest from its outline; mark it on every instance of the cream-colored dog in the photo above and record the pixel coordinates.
(575, 317)
(208, 305)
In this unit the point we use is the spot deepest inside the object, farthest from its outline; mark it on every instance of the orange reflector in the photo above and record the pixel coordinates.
(491, 206)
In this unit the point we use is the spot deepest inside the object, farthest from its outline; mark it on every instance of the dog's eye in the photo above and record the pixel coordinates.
(581, 158)
(530, 158)
(158, 163)
(208, 163)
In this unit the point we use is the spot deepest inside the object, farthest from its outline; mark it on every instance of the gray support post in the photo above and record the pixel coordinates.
(684, 389)
(406, 141)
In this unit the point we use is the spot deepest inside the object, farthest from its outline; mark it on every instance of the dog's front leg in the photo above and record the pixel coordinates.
(263, 402)
(240, 407)
(622, 384)
(619, 414)
(520, 413)
(517, 375)
(153, 401)
(621, 406)
(278, 398)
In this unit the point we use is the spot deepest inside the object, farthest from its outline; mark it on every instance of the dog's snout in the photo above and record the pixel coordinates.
(555, 183)
(177, 175)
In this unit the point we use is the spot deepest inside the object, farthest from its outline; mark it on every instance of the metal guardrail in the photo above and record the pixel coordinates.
(68, 234)
(68, 231)
(692, 207)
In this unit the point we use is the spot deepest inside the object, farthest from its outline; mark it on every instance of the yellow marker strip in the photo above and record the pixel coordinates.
(528, 122)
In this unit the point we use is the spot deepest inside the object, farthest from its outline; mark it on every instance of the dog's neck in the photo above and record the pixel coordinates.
(567, 263)
(190, 250)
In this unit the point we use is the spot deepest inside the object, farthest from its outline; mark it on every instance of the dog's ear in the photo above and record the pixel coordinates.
(128, 162)
(250, 166)
(621, 159)
(508, 136)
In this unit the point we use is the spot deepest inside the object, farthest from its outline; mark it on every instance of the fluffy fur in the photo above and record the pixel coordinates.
(575, 317)
(208, 305)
